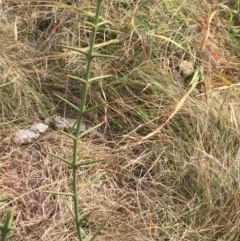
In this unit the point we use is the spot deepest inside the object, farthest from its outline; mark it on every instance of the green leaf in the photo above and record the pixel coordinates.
(93, 108)
(75, 49)
(99, 77)
(91, 25)
(77, 78)
(91, 129)
(99, 229)
(195, 79)
(68, 135)
(103, 23)
(70, 210)
(68, 102)
(61, 158)
(61, 193)
(86, 163)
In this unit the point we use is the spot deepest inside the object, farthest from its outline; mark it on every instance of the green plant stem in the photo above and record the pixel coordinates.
(79, 123)
(7, 227)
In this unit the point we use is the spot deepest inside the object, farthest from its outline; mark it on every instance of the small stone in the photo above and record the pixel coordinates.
(39, 127)
(62, 123)
(187, 69)
(25, 136)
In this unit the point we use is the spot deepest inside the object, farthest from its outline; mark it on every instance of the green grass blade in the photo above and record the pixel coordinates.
(167, 39)
(195, 79)
(102, 56)
(99, 229)
(85, 217)
(66, 6)
(5, 200)
(95, 179)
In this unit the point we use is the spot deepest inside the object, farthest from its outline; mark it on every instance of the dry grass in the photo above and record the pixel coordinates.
(180, 184)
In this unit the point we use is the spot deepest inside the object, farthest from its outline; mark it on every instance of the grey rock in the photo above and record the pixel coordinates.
(187, 68)
(25, 136)
(63, 123)
(39, 128)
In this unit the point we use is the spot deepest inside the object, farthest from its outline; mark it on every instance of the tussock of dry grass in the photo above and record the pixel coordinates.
(182, 183)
